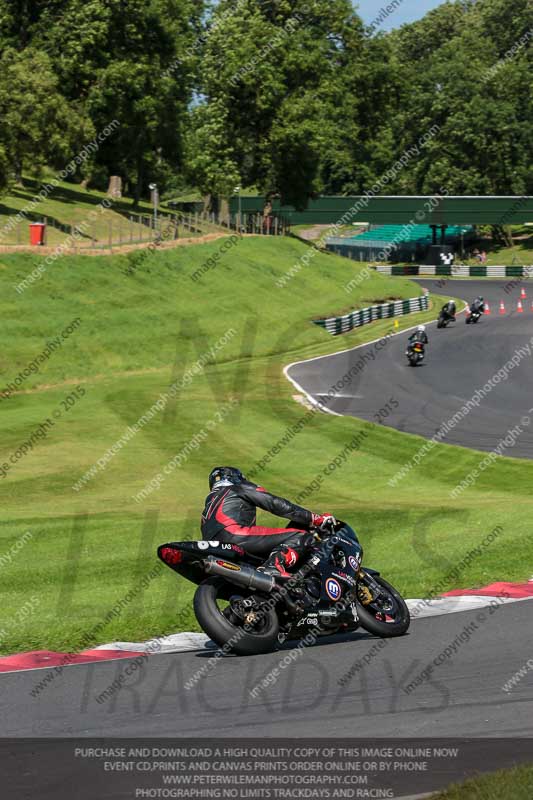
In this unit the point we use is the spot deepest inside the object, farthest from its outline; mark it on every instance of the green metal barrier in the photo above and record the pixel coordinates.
(363, 316)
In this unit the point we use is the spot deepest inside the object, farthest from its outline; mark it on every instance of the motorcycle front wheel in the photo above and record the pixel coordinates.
(387, 615)
(234, 626)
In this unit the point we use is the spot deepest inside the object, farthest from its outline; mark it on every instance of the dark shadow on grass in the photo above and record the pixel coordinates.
(29, 192)
(32, 216)
(77, 197)
(29, 217)
(74, 197)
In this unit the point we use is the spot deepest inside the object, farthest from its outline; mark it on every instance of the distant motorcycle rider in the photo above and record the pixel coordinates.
(477, 306)
(419, 335)
(229, 516)
(449, 309)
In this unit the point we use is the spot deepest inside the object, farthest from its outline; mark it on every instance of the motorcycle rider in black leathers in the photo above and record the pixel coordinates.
(229, 516)
(419, 335)
(478, 305)
(449, 309)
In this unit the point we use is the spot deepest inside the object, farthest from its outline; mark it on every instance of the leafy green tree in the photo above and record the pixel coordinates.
(479, 99)
(211, 158)
(272, 71)
(118, 59)
(126, 60)
(37, 124)
(365, 145)
(19, 19)
(4, 167)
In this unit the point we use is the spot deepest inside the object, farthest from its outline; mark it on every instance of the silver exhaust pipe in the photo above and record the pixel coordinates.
(242, 575)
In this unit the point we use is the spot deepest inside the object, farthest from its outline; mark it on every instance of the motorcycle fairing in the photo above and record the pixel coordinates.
(340, 577)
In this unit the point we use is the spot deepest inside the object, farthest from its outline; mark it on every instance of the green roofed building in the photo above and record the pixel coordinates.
(400, 242)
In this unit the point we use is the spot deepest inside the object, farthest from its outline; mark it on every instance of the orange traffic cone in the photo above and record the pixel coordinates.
(523, 294)
(520, 307)
(502, 307)
(487, 309)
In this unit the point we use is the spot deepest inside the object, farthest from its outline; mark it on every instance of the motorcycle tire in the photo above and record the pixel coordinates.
(222, 631)
(386, 630)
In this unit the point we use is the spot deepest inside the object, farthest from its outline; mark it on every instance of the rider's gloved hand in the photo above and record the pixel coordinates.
(323, 521)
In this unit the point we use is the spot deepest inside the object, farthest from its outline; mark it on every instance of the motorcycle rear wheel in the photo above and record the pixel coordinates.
(218, 623)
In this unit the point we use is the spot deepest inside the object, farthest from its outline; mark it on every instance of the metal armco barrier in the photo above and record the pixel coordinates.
(398, 308)
(458, 271)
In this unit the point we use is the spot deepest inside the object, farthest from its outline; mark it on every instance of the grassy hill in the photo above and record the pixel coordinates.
(70, 205)
(74, 541)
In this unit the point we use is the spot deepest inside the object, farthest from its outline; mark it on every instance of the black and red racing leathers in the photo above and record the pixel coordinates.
(230, 516)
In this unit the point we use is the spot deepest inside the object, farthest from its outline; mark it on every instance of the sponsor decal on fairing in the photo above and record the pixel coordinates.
(333, 589)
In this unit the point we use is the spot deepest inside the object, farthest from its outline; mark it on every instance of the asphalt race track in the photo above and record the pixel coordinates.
(307, 699)
(459, 361)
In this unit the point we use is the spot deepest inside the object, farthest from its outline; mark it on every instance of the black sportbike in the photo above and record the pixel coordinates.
(473, 317)
(248, 612)
(444, 319)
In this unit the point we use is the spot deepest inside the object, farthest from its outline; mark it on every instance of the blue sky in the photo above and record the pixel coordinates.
(408, 11)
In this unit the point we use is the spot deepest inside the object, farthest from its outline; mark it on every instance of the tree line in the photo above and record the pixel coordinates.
(293, 97)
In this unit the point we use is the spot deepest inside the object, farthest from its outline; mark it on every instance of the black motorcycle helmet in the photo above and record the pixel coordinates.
(231, 474)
